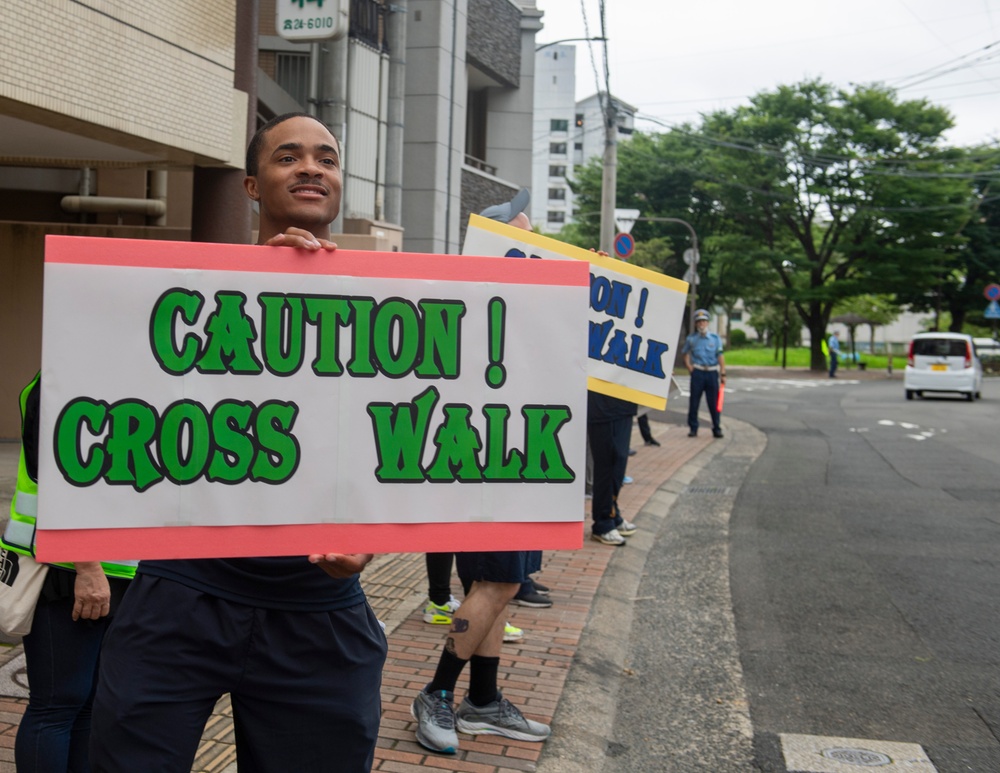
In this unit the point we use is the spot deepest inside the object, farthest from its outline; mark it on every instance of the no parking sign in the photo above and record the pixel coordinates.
(624, 245)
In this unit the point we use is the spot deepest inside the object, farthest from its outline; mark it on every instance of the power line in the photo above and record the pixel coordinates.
(937, 71)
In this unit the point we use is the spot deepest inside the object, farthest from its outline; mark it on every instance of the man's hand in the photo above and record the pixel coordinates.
(91, 591)
(301, 238)
(341, 566)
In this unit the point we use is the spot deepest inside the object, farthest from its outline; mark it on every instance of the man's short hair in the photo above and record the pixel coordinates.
(257, 141)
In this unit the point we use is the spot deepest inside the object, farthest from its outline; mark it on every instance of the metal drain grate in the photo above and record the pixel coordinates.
(707, 490)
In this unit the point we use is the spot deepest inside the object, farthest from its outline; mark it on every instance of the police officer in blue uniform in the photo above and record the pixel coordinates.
(703, 358)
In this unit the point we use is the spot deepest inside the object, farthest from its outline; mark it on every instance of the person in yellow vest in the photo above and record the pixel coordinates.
(73, 613)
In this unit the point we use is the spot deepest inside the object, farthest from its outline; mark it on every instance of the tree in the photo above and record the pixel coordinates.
(973, 259)
(850, 186)
(662, 176)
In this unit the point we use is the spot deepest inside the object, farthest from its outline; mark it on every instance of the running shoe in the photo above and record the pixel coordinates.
(609, 538)
(501, 717)
(440, 614)
(512, 633)
(435, 715)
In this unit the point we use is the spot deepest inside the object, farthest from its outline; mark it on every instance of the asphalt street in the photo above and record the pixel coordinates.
(820, 593)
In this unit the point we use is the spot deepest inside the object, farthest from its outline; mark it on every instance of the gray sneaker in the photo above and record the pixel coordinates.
(435, 715)
(499, 718)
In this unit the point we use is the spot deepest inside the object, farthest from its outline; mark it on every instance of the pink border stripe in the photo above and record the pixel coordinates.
(81, 250)
(292, 540)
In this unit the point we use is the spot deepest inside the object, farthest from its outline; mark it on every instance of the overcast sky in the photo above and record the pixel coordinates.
(674, 60)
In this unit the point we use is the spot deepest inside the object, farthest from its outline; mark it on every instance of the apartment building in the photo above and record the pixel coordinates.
(127, 119)
(567, 134)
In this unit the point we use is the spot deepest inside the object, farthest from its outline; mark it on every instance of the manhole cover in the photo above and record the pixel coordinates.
(863, 758)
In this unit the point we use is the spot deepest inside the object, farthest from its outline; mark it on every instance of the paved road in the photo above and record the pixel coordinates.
(822, 595)
(864, 567)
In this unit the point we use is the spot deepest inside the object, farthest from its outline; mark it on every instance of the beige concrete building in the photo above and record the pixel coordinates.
(123, 118)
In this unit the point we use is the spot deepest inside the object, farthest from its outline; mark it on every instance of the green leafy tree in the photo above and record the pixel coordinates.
(850, 186)
(973, 256)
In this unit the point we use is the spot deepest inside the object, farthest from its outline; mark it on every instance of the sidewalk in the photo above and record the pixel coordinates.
(532, 672)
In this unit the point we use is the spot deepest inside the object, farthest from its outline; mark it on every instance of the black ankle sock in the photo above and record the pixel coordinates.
(483, 680)
(448, 670)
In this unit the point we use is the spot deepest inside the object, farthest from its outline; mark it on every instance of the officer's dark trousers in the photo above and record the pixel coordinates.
(704, 382)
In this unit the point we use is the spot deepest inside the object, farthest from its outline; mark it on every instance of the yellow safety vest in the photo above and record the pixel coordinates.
(19, 536)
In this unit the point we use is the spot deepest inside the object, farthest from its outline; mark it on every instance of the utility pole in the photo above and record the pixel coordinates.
(609, 180)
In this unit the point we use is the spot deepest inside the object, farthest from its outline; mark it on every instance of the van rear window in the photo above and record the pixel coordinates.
(939, 347)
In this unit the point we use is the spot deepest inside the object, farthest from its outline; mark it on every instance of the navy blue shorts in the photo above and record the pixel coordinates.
(304, 685)
(493, 566)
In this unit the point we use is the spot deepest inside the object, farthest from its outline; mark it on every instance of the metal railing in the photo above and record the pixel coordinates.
(366, 24)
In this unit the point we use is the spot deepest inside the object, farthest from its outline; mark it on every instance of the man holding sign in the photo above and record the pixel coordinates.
(292, 639)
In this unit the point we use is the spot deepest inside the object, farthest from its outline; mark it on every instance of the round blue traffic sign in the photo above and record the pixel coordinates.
(992, 292)
(624, 245)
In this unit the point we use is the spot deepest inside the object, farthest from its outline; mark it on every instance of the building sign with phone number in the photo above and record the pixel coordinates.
(305, 20)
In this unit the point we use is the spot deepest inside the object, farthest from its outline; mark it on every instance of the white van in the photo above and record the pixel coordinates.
(943, 362)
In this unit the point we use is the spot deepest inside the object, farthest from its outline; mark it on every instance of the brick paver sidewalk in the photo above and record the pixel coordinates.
(532, 671)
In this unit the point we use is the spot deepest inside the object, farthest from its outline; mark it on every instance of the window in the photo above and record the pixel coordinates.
(558, 125)
(736, 316)
(557, 194)
(939, 347)
(291, 72)
(557, 171)
(557, 217)
(577, 146)
(557, 148)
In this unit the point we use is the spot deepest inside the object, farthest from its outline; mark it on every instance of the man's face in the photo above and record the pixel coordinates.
(702, 326)
(298, 183)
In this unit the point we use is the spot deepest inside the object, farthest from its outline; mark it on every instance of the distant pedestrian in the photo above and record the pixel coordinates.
(703, 358)
(833, 345)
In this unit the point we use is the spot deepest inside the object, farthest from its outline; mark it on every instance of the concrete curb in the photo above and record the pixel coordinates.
(585, 717)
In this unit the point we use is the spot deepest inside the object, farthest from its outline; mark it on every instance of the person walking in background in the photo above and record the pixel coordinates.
(62, 650)
(703, 358)
(833, 345)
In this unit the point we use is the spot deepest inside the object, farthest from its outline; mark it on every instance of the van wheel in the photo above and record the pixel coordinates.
(909, 394)
(979, 395)
(970, 396)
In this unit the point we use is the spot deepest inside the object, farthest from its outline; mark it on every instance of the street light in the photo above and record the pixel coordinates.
(786, 265)
(564, 40)
(694, 263)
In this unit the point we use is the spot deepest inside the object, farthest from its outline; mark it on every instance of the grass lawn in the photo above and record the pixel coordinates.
(798, 357)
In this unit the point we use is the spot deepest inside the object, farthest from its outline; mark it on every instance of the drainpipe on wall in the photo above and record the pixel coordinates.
(396, 39)
(115, 204)
(158, 192)
(220, 209)
(333, 109)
